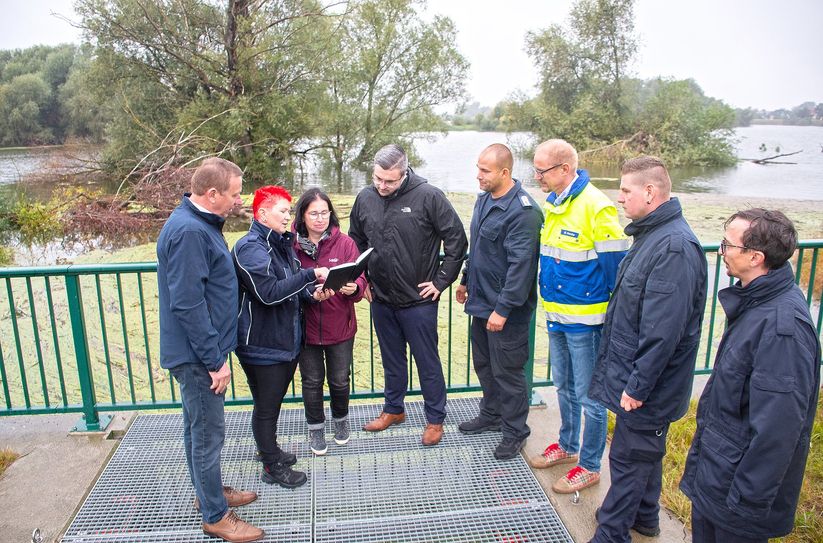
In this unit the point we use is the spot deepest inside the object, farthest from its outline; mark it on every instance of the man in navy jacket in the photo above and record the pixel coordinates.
(197, 290)
(645, 367)
(754, 421)
(500, 292)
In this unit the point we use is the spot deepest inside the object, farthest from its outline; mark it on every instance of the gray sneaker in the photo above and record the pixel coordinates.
(341, 431)
(317, 441)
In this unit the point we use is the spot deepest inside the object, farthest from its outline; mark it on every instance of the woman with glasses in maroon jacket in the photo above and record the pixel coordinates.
(331, 325)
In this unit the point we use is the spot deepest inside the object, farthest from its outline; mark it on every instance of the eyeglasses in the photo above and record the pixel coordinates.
(540, 173)
(388, 182)
(724, 246)
(314, 215)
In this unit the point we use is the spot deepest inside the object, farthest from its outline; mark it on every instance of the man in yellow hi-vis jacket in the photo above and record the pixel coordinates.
(581, 246)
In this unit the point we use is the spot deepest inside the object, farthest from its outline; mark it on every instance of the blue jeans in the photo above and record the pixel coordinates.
(573, 356)
(415, 326)
(204, 429)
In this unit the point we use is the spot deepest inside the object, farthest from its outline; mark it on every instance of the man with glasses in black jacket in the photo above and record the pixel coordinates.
(406, 221)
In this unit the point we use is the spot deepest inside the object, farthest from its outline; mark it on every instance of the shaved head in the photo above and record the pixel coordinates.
(500, 155)
(649, 169)
(557, 151)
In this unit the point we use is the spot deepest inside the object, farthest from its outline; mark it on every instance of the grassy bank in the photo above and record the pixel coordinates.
(809, 520)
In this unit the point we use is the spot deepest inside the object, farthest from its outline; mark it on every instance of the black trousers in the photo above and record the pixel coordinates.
(499, 361)
(317, 362)
(636, 468)
(705, 531)
(268, 385)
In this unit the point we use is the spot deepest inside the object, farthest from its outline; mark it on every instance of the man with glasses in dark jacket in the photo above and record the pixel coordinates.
(645, 366)
(754, 421)
(406, 220)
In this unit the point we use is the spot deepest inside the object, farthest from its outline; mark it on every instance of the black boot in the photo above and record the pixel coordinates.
(283, 475)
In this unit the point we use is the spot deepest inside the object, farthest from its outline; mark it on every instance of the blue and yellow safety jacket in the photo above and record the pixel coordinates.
(581, 246)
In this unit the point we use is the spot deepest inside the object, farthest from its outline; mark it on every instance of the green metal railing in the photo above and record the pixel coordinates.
(84, 339)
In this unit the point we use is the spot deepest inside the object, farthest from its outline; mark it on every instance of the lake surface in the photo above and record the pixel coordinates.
(449, 163)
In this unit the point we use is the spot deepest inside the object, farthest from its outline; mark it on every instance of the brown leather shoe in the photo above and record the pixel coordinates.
(432, 434)
(235, 498)
(384, 421)
(233, 529)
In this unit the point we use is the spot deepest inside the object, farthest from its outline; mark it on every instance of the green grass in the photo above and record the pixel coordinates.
(7, 456)
(808, 524)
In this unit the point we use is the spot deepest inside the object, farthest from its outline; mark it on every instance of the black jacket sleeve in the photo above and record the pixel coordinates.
(450, 229)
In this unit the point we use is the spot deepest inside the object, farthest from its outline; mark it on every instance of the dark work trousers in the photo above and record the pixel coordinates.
(416, 326)
(268, 385)
(499, 361)
(316, 363)
(705, 531)
(636, 468)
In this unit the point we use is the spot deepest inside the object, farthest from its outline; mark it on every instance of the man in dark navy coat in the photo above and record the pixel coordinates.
(499, 289)
(645, 367)
(754, 421)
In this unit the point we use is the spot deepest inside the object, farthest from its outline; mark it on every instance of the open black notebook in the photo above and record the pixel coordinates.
(346, 273)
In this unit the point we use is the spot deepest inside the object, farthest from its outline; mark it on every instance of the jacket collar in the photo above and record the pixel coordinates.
(577, 187)
(211, 218)
(668, 211)
(737, 298)
(504, 201)
(273, 239)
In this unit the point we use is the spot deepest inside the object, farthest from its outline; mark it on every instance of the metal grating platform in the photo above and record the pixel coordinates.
(384, 487)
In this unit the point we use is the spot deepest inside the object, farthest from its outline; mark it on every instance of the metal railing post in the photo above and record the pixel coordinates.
(91, 420)
(535, 398)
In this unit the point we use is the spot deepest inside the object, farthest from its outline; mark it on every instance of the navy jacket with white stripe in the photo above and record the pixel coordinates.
(272, 285)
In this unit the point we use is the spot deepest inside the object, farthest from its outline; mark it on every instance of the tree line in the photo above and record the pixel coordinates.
(163, 83)
(805, 114)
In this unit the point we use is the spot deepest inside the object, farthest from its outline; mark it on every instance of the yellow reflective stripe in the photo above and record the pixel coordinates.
(591, 314)
(611, 245)
(590, 320)
(568, 256)
(576, 309)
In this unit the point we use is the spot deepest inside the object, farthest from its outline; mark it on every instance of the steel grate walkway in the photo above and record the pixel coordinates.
(383, 487)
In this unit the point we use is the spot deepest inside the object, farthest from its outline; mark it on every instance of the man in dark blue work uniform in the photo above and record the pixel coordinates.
(499, 289)
(645, 367)
(754, 421)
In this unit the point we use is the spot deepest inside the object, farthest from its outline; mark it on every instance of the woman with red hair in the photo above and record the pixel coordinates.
(270, 330)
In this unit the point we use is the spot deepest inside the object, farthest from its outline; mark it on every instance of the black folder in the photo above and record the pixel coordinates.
(346, 273)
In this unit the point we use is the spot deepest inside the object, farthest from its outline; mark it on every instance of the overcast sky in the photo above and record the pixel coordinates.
(749, 53)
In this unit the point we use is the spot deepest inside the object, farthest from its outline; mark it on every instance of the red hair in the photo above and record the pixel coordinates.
(267, 195)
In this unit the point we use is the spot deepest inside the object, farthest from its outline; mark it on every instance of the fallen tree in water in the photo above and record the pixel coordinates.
(770, 159)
